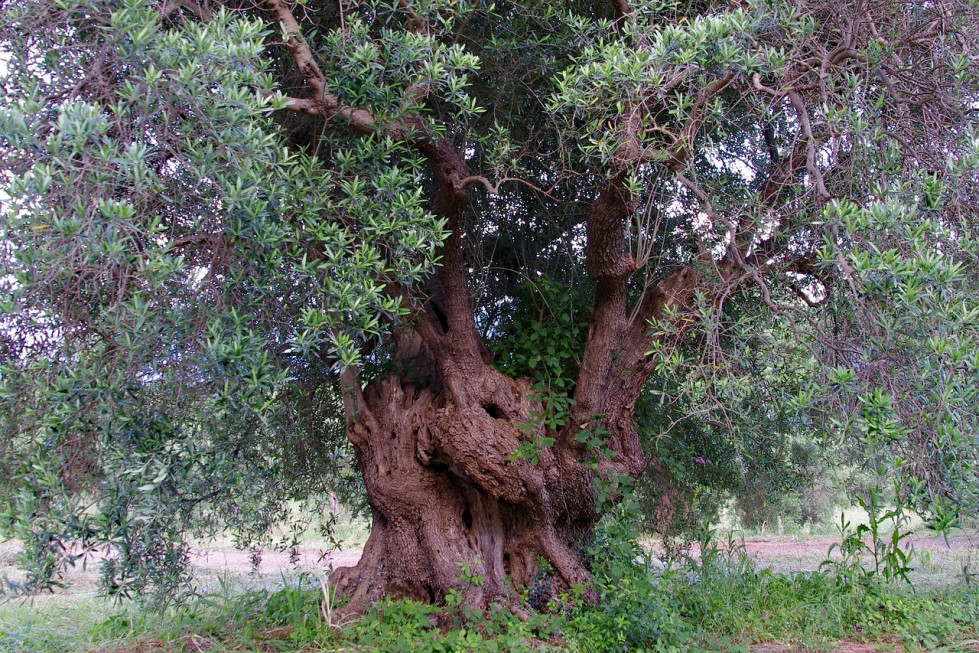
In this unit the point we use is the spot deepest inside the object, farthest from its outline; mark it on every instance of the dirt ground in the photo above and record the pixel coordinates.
(231, 560)
(938, 563)
(780, 553)
(805, 553)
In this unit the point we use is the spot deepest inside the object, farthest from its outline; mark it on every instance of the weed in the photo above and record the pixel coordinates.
(889, 560)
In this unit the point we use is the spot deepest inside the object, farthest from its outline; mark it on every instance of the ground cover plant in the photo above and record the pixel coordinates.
(492, 273)
(719, 600)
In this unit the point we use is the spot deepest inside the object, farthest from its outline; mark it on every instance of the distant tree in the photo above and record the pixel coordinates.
(464, 235)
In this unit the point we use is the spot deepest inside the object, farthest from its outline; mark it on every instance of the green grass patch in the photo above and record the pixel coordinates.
(73, 622)
(717, 601)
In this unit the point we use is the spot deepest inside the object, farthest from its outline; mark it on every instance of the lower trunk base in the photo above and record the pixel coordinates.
(453, 509)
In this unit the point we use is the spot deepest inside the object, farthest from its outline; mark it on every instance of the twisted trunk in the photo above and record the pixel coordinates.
(453, 508)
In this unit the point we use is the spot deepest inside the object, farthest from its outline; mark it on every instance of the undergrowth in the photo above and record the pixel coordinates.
(718, 600)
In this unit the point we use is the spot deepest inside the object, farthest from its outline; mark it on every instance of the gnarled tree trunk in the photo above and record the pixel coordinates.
(453, 507)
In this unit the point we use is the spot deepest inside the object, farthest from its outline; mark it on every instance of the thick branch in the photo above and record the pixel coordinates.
(672, 291)
(783, 171)
(811, 144)
(457, 334)
(360, 120)
(322, 103)
(609, 263)
(681, 149)
(303, 56)
(632, 367)
(462, 339)
(201, 13)
(605, 255)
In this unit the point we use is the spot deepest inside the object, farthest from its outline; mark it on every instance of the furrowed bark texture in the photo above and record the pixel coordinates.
(451, 503)
(453, 508)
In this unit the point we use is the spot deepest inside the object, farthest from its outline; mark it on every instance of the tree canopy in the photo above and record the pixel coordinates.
(498, 259)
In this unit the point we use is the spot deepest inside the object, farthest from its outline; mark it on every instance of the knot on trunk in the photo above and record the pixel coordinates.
(479, 448)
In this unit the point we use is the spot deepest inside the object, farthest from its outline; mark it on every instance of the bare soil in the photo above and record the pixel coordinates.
(779, 553)
(234, 561)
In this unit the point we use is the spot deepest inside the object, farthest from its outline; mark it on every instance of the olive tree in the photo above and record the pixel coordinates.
(233, 232)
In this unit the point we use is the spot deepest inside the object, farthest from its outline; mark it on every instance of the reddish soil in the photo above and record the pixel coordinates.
(804, 553)
(787, 545)
(784, 553)
(232, 560)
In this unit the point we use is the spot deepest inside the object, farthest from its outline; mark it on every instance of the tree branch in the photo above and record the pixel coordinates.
(682, 147)
(447, 166)
(322, 103)
(495, 190)
(622, 8)
(608, 262)
(201, 13)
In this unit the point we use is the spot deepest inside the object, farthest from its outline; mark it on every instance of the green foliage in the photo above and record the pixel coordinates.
(890, 557)
(170, 270)
(553, 414)
(915, 289)
(542, 340)
(730, 431)
(542, 337)
(407, 626)
(635, 609)
(612, 75)
(188, 259)
(813, 610)
(719, 600)
(54, 519)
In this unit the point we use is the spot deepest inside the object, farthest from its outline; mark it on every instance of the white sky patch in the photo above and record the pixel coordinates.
(731, 164)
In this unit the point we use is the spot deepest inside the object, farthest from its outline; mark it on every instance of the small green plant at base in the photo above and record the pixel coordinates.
(889, 560)
(469, 575)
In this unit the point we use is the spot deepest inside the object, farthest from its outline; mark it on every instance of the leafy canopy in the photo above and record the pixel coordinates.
(190, 257)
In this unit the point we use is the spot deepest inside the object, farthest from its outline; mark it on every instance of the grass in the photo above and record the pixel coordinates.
(719, 599)
(64, 622)
(78, 619)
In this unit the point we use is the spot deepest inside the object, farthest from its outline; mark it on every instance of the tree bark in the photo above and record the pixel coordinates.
(453, 508)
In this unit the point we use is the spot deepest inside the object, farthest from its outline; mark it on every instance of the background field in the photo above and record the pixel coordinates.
(76, 618)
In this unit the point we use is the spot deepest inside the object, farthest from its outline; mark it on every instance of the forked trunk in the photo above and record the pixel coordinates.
(455, 507)
(466, 494)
